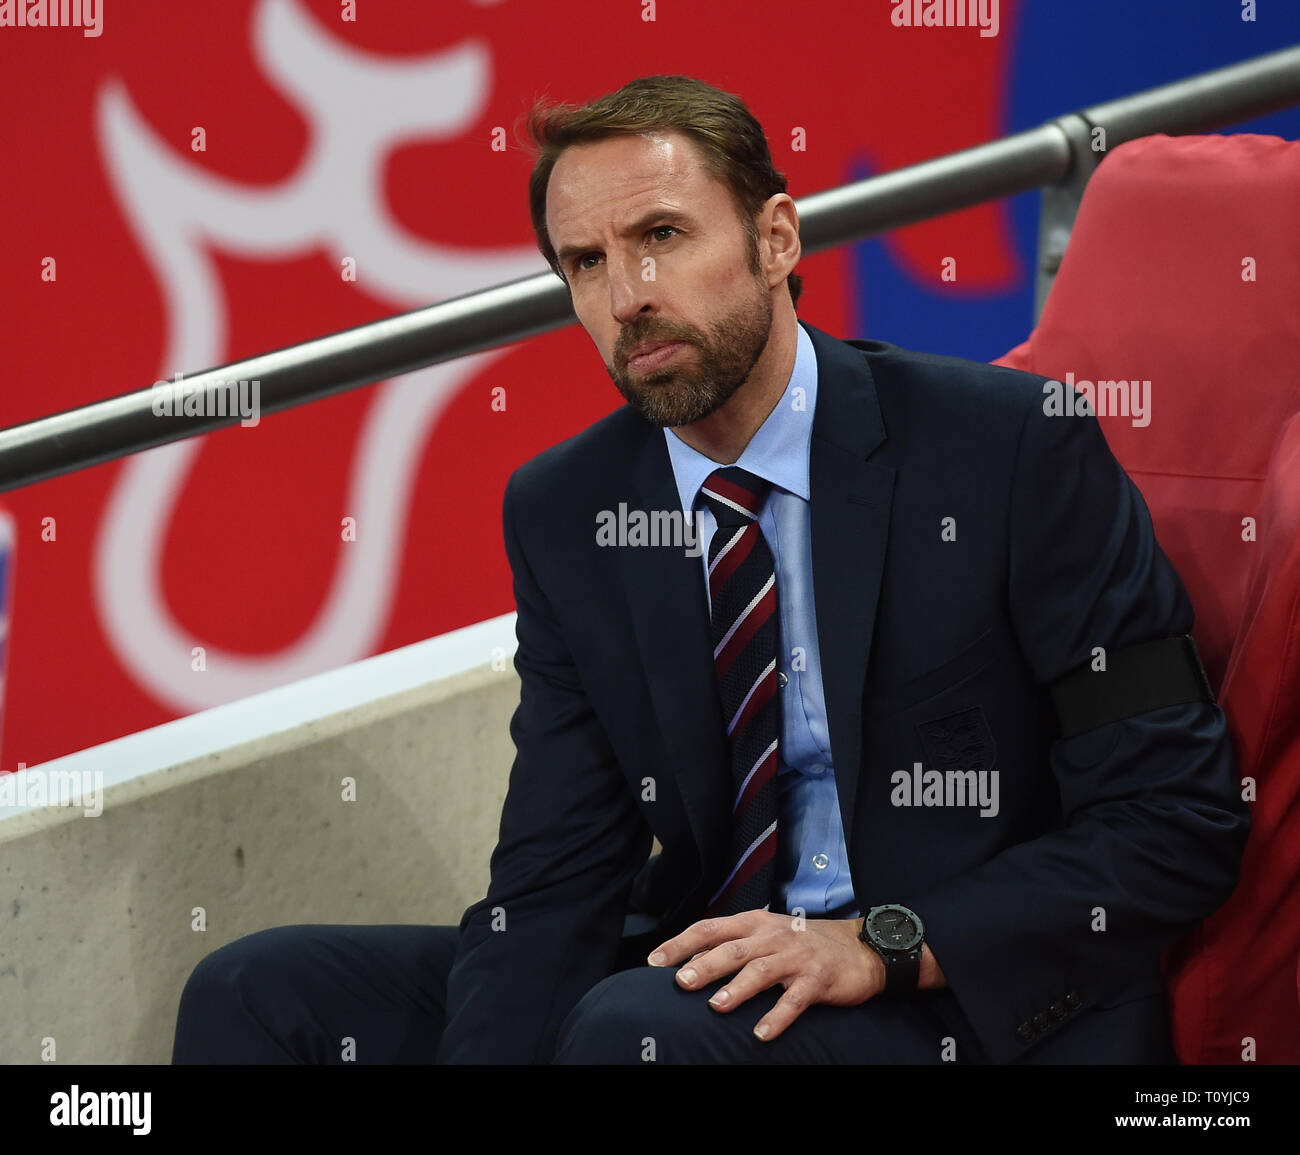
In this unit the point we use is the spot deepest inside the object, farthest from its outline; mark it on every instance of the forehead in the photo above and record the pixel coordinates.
(608, 182)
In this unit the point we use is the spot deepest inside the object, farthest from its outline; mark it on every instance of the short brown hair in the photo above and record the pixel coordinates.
(729, 137)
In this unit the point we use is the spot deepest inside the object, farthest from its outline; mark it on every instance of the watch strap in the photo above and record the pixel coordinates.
(902, 973)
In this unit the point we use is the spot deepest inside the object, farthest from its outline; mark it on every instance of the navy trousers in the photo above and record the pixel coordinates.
(377, 994)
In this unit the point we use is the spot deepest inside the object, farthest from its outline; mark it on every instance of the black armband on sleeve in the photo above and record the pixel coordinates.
(1136, 679)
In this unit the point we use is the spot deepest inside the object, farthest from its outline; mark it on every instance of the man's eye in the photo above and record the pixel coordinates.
(659, 232)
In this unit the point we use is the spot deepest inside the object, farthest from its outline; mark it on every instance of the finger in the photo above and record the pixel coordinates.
(757, 975)
(696, 939)
(798, 998)
(721, 961)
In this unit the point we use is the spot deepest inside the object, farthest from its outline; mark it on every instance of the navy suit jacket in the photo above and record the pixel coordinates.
(938, 641)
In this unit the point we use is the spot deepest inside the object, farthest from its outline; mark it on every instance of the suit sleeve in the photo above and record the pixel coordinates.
(571, 841)
(1153, 825)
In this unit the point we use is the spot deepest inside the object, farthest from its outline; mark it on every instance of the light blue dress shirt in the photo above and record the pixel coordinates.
(812, 866)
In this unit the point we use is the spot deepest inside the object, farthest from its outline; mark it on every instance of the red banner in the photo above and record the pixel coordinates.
(194, 184)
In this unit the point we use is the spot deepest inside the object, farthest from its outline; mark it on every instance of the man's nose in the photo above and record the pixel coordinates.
(632, 290)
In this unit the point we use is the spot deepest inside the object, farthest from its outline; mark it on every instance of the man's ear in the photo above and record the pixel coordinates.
(778, 234)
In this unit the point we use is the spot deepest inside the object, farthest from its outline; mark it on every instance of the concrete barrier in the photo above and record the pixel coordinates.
(359, 796)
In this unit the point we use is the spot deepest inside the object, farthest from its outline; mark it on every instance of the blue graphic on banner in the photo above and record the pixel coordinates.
(6, 600)
(1066, 57)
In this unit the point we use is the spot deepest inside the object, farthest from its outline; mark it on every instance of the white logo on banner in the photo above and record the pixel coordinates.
(358, 107)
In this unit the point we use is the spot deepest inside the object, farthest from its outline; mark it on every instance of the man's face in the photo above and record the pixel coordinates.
(654, 252)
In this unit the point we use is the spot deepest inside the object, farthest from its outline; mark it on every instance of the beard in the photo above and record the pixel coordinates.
(724, 357)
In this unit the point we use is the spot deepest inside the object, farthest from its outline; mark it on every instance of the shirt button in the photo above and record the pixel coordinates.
(817, 769)
(820, 861)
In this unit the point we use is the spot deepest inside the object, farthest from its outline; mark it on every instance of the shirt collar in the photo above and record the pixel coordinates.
(778, 452)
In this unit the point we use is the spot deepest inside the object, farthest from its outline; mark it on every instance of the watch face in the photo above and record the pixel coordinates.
(895, 929)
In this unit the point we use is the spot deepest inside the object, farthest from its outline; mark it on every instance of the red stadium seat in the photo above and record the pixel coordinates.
(1183, 271)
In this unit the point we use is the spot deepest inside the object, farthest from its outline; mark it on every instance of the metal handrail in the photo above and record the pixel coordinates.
(105, 430)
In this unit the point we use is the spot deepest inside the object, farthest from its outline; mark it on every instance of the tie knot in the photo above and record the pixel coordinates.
(734, 495)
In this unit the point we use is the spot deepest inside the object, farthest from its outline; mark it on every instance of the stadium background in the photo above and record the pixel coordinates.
(372, 141)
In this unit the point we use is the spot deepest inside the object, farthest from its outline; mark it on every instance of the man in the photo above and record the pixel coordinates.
(907, 708)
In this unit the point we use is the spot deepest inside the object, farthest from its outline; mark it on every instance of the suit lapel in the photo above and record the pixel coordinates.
(670, 616)
(850, 504)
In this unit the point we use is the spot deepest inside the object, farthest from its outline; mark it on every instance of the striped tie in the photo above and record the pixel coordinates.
(742, 590)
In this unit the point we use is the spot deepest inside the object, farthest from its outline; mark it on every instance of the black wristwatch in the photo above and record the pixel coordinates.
(896, 934)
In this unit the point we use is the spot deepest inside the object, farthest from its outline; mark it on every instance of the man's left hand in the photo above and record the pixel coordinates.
(815, 960)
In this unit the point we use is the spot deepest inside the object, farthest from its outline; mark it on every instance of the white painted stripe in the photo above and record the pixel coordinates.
(758, 597)
(752, 847)
(741, 709)
(753, 770)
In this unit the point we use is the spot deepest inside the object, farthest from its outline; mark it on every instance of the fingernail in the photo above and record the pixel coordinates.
(657, 959)
(721, 999)
(762, 1030)
(686, 977)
